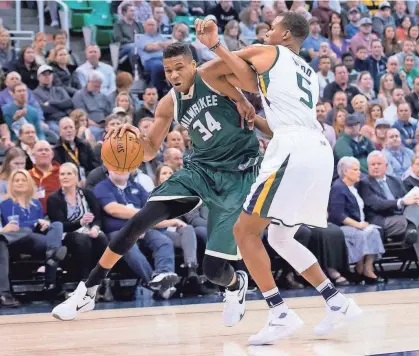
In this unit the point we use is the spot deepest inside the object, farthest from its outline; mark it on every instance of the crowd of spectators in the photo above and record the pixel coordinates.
(58, 200)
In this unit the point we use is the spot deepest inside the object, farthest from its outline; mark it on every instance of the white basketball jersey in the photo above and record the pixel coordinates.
(289, 91)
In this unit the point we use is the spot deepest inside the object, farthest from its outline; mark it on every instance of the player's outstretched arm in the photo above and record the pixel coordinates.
(158, 131)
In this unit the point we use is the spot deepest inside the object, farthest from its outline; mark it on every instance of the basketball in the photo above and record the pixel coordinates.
(122, 154)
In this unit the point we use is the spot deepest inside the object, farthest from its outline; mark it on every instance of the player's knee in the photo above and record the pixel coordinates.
(280, 237)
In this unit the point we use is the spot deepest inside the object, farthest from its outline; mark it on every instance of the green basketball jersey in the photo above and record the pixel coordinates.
(214, 126)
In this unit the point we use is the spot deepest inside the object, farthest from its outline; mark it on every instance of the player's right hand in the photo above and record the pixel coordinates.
(246, 111)
(120, 131)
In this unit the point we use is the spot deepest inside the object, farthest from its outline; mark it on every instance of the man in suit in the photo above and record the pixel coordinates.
(413, 99)
(386, 202)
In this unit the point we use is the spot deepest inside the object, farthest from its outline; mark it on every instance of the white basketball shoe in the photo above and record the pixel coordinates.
(277, 328)
(78, 302)
(235, 301)
(337, 318)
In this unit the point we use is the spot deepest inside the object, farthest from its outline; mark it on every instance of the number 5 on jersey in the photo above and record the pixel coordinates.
(212, 125)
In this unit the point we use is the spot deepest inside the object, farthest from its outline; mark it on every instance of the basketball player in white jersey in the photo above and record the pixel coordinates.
(295, 177)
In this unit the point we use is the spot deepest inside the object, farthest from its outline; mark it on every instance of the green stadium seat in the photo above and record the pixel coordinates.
(189, 20)
(78, 5)
(101, 15)
(77, 11)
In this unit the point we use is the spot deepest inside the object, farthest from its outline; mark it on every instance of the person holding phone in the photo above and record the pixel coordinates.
(36, 234)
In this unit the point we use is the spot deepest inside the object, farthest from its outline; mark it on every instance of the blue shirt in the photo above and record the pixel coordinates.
(107, 192)
(407, 131)
(6, 97)
(27, 217)
(351, 30)
(314, 43)
(145, 39)
(31, 117)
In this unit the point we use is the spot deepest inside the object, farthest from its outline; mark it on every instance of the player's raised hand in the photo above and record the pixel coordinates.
(120, 131)
(207, 32)
(246, 111)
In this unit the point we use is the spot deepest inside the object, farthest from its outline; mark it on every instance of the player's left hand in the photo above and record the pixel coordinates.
(247, 112)
(207, 32)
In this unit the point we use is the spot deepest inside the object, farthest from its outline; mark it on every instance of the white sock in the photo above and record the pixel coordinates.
(275, 302)
(91, 292)
(334, 299)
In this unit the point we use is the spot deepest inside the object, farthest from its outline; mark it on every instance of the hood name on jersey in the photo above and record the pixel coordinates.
(307, 71)
(196, 108)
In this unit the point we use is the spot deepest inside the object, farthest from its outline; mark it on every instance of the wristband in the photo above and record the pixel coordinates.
(213, 48)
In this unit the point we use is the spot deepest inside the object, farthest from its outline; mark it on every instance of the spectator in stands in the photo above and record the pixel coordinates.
(124, 32)
(249, 19)
(365, 86)
(14, 159)
(181, 34)
(7, 52)
(399, 12)
(389, 41)
(352, 28)
(340, 84)
(94, 103)
(338, 44)
(412, 180)
(402, 31)
(413, 32)
(374, 112)
(323, 13)
(27, 140)
(386, 86)
(407, 49)
(304, 12)
(406, 125)
(39, 45)
(376, 62)
(200, 8)
(385, 200)
(60, 40)
(397, 97)
(314, 39)
(37, 235)
(232, 36)
(409, 71)
(26, 66)
(328, 130)
(79, 212)
(224, 12)
(346, 209)
(339, 120)
(184, 236)
(162, 27)
(55, 101)
(122, 101)
(173, 157)
(413, 99)
(124, 81)
(364, 37)
(340, 101)
(72, 149)
(391, 67)
(64, 73)
(348, 61)
(112, 120)
(44, 172)
(179, 7)
(148, 108)
(381, 127)
(142, 10)
(185, 135)
(360, 105)
(323, 51)
(150, 48)
(397, 156)
(175, 140)
(351, 143)
(12, 79)
(92, 64)
(120, 200)
(382, 19)
(81, 123)
(361, 56)
(20, 112)
(261, 30)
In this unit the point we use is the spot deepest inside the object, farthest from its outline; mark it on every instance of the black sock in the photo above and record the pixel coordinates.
(235, 285)
(96, 276)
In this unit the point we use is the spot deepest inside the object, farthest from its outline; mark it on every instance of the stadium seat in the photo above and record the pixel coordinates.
(77, 11)
(101, 15)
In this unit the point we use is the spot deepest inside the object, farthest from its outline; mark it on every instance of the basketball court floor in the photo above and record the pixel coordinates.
(389, 326)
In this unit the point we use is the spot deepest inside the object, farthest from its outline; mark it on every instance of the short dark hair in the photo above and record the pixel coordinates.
(59, 32)
(177, 49)
(361, 47)
(296, 24)
(324, 57)
(347, 54)
(338, 66)
(125, 7)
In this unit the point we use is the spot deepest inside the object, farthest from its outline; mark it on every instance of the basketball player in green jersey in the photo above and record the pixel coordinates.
(219, 172)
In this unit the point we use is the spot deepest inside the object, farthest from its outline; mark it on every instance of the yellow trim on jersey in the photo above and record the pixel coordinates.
(262, 84)
(263, 194)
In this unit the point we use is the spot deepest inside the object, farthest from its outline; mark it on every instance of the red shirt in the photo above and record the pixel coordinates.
(49, 182)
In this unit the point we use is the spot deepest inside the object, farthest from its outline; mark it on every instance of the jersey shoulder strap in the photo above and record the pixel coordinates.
(175, 106)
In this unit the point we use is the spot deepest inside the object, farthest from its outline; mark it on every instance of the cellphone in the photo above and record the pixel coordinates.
(172, 228)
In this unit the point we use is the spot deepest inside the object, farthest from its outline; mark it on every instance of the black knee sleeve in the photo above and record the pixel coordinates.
(217, 270)
(151, 214)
